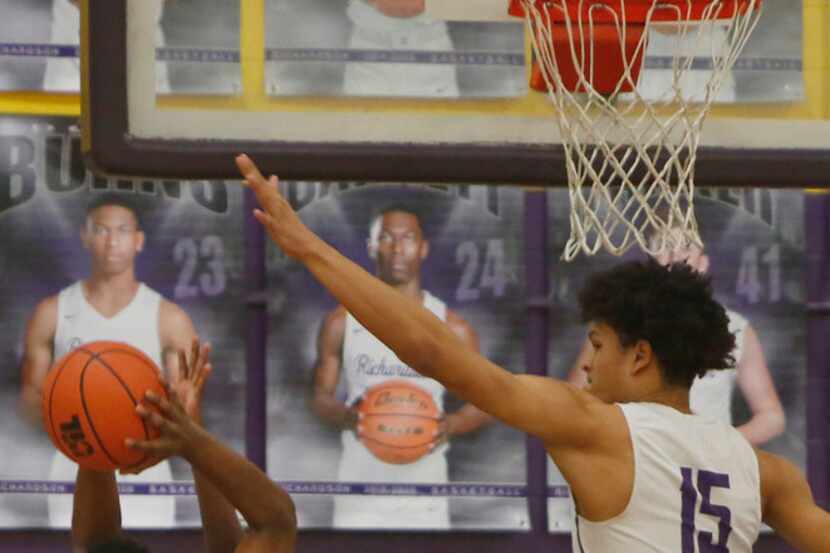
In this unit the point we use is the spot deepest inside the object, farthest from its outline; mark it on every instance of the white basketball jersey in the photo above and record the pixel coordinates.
(64, 74)
(375, 31)
(138, 325)
(367, 362)
(696, 489)
(711, 394)
(656, 84)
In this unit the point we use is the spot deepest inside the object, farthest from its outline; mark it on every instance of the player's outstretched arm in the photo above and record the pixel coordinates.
(423, 341)
(788, 505)
(96, 513)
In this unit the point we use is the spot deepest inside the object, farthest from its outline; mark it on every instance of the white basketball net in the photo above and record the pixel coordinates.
(630, 156)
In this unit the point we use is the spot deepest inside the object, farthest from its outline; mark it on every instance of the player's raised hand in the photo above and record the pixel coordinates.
(192, 376)
(277, 216)
(179, 432)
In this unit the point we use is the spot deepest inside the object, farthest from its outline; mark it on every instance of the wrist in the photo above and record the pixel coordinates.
(196, 441)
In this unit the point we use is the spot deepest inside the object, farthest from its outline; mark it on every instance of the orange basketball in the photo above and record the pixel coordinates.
(398, 422)
(89, 400)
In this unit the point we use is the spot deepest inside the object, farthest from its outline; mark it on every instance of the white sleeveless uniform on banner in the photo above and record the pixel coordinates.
(655, 84)
(695, 480)
(376, 31)
(711, 394)
(64, 74)
(368, 362)
(138, 325)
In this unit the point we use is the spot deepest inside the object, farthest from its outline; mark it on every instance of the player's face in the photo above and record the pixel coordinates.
(609, 365)
(112, 236)
(400, 248)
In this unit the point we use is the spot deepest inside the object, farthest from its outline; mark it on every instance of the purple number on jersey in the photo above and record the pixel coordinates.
(706, 480)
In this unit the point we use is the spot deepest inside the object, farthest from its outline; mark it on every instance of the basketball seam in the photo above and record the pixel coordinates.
(129, 393)
(51, 397)
(368, 439)
(86, 411)
(367, 416)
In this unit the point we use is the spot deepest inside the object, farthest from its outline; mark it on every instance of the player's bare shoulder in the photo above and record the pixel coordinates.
(44, 320)
(333, 326)
(175, 325)
(462, 328)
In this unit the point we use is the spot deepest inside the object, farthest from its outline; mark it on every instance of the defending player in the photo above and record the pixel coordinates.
(111, 304)
(347, 351)
(646, 474)
(711, 394)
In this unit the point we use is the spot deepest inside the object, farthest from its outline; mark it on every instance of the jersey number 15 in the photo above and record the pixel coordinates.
(706, 542)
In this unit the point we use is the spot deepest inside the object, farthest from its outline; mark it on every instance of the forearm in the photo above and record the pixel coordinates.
(96, 512)
(467, 419)
(221, 526)
(411, 331)
(265, 506)
(763, 427)
(333, 411)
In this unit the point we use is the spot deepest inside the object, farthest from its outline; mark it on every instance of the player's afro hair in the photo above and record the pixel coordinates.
(671, 307)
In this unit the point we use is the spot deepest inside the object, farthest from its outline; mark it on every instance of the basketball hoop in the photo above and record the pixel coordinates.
(630, 160)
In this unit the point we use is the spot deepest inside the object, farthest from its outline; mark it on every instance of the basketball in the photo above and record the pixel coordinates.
(398, 422)
(89, 400)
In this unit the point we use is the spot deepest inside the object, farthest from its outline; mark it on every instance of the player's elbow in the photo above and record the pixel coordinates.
(281, 518)
(776, 422)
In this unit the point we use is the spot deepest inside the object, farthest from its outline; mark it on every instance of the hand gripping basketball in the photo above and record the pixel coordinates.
(398, 422)
(89, 399)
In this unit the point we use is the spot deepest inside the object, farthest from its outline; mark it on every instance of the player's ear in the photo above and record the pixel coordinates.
(84, 234)
(703, 264)
(643, 355)
(372, 248)
(140, 237)
(424, 249)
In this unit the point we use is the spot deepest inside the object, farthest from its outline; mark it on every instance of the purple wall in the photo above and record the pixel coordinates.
(818, 233)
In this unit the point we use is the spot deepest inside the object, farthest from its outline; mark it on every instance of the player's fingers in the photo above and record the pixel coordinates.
(194, 355)
(250, 171)
(204, 357)
(201, 378)
(184, 367)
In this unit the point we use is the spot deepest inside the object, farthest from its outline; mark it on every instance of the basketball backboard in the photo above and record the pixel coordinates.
(380, 91)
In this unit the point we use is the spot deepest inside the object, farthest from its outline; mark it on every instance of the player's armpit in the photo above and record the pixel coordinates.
(788, 505)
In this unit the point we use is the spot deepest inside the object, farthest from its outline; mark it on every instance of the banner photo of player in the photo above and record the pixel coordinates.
(754, 252)
(148, 263)
(388, 48)
(373, 444)
(197, 44)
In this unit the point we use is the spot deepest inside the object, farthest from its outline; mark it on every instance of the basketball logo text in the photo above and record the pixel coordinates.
(73, 436)
(410, 401)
